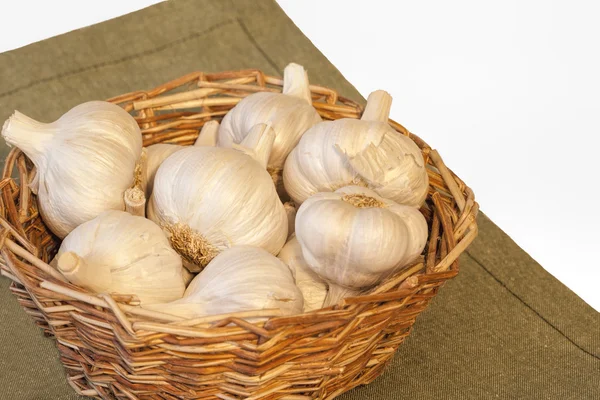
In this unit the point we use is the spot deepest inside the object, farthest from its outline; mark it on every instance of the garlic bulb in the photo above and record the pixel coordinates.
(120, 253)
(291, 113)
(354, 238)
(313, 288)
(208, 199)
(157, 153)
(85, 161)
(242, 278)
(366, 152)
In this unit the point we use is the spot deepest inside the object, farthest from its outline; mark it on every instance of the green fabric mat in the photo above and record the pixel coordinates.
(504, 328)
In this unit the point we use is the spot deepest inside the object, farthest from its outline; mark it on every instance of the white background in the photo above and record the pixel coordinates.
(508, 92)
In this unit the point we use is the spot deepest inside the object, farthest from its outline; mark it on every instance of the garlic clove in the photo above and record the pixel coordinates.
(258, 143)
(295, 82)
(313, 288)
(155, 155)
(208, 134)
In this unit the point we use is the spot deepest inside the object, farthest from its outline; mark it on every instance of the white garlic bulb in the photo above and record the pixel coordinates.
(242, 278)
(85, 161)
(117, 252)
(208, 199)
(313, 288)
(157, 153)
(353, 238)
(366, 152)
(290, 113)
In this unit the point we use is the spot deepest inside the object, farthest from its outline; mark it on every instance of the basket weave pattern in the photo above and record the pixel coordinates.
(113, 349)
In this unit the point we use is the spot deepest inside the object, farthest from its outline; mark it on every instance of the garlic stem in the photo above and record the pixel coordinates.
(27, 134)
(378, 107)
(295, 82)
(135, 201)
(74, 268)
(410, 282)
(69, 262)
(258, 143)
(337, 293)
(208, 134)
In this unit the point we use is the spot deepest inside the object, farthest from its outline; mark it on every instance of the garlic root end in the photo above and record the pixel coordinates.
(194, 249)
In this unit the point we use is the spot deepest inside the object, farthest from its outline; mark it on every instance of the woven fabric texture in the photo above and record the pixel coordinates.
(504, 328)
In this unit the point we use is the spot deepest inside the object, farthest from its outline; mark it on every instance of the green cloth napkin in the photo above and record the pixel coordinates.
(504, 328)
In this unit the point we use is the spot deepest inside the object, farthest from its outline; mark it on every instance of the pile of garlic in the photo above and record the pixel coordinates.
(271, 209)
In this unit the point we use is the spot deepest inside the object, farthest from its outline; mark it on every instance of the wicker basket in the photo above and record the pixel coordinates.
(111, 348)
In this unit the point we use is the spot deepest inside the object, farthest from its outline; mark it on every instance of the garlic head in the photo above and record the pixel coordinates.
(290, 113)
(242, 278)
(313, 288)
(117, 252)
(85, 161)
(366, 152)
(353, 238)
(208, 199)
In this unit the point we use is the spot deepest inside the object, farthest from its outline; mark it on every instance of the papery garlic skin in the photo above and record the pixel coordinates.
(209, 199)
(366, 152)
(353, 238)
(290, 113)
(85, 161)
(156, 154)
(208, 134)
(159, 152)
(117, 252)
(241, 278)
(313, 288)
